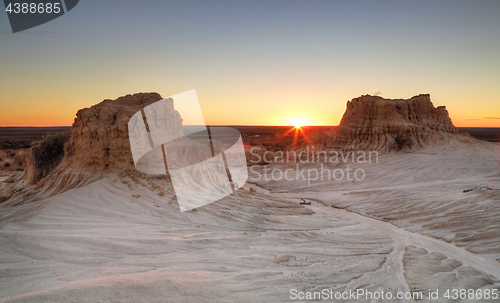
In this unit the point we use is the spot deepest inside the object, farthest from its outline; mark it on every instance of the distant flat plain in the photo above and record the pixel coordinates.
(22, 137)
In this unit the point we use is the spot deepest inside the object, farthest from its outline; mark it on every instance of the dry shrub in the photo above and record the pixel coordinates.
(46, 154)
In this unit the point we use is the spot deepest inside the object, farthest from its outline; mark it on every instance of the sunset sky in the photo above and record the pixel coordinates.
(255, 62)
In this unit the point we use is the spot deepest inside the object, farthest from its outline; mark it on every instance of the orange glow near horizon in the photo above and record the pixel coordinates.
(36, 118)
(28, 109)
(46, 118)
(298, 122)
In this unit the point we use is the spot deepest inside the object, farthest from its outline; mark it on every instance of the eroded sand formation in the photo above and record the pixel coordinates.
(375, 123)
(97, 144)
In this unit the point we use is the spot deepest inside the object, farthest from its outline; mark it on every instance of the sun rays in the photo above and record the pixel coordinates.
(299, 126)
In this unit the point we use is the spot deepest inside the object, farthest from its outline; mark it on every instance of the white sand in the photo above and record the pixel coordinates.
(99, 243)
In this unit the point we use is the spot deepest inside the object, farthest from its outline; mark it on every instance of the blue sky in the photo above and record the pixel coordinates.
(255, 62)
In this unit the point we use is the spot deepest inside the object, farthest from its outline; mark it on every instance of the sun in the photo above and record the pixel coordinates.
(298, 122)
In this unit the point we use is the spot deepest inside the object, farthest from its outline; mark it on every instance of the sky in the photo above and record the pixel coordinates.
(255, 62)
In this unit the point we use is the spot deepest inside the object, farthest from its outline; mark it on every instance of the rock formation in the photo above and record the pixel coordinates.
(99, 140)
(97, 143)
(375, 123)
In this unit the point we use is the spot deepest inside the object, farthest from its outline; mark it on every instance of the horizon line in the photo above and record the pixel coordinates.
(236, 125)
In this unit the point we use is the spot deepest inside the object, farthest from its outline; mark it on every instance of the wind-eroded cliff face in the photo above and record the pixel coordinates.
(98, 142)
(375, 123)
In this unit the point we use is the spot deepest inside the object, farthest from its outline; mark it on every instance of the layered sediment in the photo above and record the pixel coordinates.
(375, 123)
